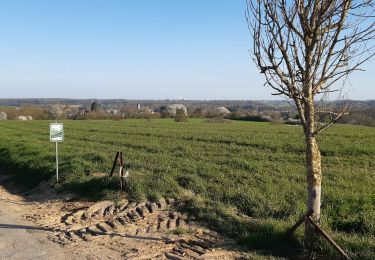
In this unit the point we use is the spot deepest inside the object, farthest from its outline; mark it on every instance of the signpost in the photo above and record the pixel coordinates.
(56, 135)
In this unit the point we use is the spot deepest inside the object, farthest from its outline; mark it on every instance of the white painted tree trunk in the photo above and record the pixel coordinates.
(313, 173)
(314, 177)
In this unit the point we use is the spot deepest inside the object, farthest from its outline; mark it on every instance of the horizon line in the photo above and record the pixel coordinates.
(165, 99)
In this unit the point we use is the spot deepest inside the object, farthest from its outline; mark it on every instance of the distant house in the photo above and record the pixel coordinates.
(83, 110)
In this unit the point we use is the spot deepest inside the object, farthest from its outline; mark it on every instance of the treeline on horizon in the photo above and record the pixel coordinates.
(145, 102)
(362, 112)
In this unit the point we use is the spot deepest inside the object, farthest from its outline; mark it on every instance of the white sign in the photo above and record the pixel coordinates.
(56, 132)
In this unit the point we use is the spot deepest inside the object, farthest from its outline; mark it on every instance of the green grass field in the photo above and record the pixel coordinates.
(221, 169)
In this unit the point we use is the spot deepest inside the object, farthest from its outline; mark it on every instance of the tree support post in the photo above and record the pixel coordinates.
(307, 218)
(119, 160)
(327, 237)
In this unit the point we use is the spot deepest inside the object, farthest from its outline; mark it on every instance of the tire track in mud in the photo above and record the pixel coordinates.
(168, 234)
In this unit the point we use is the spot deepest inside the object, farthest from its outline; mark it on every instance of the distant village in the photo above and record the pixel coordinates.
(363, 112)
(147, 109)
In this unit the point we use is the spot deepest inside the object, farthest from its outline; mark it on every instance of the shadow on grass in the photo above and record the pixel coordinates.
(22, 172)
(93, 188)
(267, 236)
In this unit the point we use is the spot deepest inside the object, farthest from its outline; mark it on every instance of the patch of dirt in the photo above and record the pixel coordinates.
(128, 230)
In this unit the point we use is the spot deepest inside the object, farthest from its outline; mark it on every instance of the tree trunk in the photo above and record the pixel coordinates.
(314, 177)
(314, 187)
(313, 173)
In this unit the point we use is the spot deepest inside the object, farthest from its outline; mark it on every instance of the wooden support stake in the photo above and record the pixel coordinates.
(120, 160)
(114, 164)
(327, 237)
(299, 222)
(121, 173)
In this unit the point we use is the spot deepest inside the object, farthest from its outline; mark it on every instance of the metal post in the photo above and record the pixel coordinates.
(57, 164)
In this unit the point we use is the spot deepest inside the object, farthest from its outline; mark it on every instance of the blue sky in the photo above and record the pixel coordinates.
(164, 49)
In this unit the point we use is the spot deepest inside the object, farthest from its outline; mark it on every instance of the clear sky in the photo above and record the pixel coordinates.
(143, 49)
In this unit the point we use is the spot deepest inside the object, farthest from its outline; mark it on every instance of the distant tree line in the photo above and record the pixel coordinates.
(360, 116)
(361, 113)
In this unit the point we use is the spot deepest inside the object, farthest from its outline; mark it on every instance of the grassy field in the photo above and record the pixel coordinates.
(223, 170)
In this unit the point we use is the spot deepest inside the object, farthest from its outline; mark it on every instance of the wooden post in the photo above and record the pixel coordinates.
(328, 238)
(114, 164)
(120, 160)
(307, 217)
(121, 173)
(299, 223)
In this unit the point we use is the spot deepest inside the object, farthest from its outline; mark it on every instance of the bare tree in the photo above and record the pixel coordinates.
(306, 49)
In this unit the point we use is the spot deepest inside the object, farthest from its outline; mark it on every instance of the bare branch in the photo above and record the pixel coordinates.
(305, 48)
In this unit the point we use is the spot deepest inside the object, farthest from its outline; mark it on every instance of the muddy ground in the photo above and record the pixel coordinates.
(40, 224)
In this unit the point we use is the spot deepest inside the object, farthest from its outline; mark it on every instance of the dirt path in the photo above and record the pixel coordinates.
(43, 225)
(20, 239)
